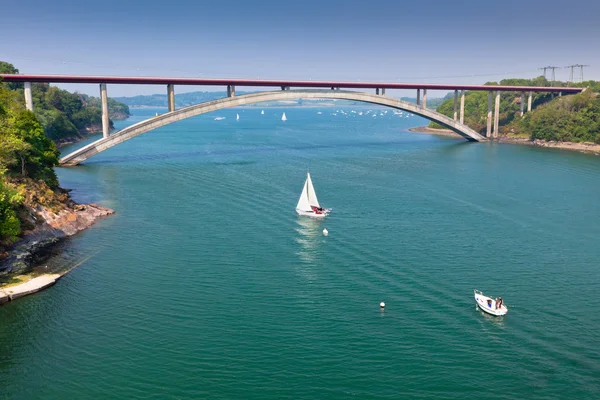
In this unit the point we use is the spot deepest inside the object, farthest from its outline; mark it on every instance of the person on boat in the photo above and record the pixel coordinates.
(489, 303)
(499, 302)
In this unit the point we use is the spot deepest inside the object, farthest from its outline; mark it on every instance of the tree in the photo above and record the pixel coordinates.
(8, 68)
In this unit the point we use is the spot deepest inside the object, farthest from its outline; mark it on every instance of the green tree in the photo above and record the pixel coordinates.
(10, 200)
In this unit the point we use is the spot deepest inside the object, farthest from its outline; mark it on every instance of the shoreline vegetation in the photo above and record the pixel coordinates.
(553, 121)
(36, 214)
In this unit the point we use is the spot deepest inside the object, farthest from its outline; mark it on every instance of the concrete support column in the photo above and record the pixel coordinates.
(171, 97)
(462, 106)
(424, 98)
(522, 103)
(488, 132)
(455, 104)
(230, 91)
(383, 91)
(418, 97)
(28, 96)
(105, 120)
(376, 90)
(497, 114)
(529, 102)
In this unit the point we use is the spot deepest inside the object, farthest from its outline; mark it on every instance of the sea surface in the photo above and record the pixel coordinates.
(206, 284)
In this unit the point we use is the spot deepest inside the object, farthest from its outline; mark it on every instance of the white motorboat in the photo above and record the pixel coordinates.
(308, 204)
(491, 306)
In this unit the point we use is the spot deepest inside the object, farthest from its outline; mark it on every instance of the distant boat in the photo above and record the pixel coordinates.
(319, 112)
(262, 112)
(237, 117)
(491, 306)
(283, 117)
(308, 204)
(219, 118)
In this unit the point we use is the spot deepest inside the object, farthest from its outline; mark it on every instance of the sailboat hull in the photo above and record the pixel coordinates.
(312, 213)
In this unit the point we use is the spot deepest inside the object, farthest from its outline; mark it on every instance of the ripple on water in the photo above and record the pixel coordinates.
(205, 283)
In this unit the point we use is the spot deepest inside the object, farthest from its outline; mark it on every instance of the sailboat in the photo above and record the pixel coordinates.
(237, 117)
(283, 117)
(308, 204)
(262, 112)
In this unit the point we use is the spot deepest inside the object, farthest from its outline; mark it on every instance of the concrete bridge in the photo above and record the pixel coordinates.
(332, 91)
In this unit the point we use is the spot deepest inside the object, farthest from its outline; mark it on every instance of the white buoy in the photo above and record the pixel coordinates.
(382, 305)
(325, 232)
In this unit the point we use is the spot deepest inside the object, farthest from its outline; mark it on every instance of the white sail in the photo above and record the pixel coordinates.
(237, 117)
(312, 196)
(303, 204)
(283, 117)
(262, 112)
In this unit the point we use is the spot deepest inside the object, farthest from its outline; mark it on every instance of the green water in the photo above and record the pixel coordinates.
(206, 284)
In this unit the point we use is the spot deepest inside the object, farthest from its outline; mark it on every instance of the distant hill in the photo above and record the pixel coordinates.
(189, 99)
(181, 99)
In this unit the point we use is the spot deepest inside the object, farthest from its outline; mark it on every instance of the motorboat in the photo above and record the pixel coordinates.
(489, 305)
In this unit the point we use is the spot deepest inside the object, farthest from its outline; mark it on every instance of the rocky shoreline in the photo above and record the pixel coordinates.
(581, 147)
(586, 147)
(36, 244)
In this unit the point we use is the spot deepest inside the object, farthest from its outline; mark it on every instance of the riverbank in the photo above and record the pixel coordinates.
(19, 276)
(592, 148)
(51, 228)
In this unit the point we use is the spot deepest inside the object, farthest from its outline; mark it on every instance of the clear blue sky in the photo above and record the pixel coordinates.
(462, 41)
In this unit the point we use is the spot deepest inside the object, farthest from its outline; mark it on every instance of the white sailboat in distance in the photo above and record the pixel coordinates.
(308, 204)
(283, 117)
(237, 117)
(262, 112)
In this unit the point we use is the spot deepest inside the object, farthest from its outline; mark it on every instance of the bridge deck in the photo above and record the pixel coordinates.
(143, 80)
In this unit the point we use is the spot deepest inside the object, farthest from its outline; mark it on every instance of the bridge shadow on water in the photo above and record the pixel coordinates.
(132, 158)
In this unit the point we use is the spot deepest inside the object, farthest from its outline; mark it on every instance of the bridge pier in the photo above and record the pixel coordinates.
(455, 104)
(171, 97)
(496, 114)
(105, 119)
(230, 91)
(462, 106)
(418, 97)
(28, 96)
(383, 91)
(424, 98)
(377, 91)
(522, 103)
(488, 131)
(529, 102)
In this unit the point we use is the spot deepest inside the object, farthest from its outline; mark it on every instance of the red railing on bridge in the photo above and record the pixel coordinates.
(142, 80)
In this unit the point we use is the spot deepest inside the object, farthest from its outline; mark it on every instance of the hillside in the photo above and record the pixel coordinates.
(566, 118)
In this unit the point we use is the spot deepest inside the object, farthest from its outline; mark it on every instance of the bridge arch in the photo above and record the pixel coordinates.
(80, 155)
